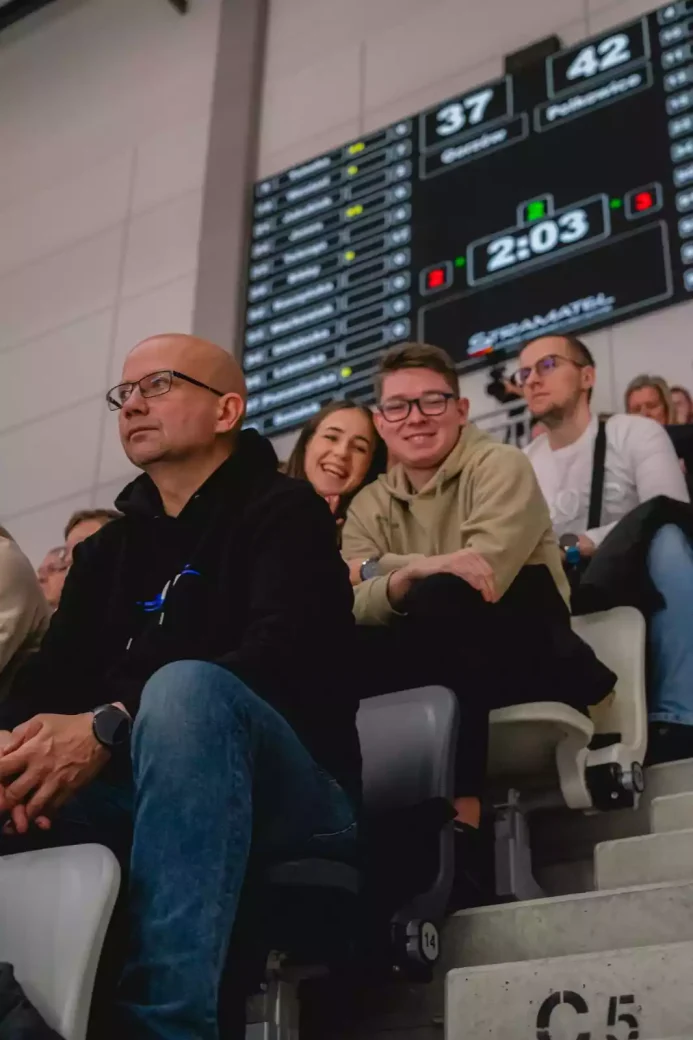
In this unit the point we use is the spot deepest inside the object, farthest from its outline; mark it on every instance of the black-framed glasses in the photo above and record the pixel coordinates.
(434, 402)
(543, 367)
(153, 385)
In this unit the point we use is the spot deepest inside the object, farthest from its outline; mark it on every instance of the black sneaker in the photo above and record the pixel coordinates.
(668, 742)
(474, 883)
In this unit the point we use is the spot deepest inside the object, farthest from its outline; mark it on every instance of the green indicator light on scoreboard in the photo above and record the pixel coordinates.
(460, 261)
(535, 210)
(616, 203)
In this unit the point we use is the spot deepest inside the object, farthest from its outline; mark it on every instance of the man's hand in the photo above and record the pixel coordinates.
(586, 546)
(355, 571)
(465, 563)
(47, 760)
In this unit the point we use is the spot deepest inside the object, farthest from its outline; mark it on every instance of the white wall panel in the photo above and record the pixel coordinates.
(308, 102)
(162, 244)
(171, 163)
(59, 369)
(66, 212)
(436, 43)
(49, 459)
(60, 288)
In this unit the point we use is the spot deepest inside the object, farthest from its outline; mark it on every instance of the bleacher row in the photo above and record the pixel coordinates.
(316, 919)
(56, 904)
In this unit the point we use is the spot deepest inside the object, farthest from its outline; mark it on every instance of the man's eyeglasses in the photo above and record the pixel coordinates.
(153, 385)
(399, 408)
(543, 367)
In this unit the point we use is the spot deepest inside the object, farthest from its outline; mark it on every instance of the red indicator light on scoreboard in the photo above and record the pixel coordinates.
(436, 277)
(643, 200)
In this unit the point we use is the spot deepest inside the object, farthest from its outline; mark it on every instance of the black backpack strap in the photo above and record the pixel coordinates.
(594, 518)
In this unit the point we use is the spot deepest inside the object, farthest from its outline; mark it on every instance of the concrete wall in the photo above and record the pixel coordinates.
(103, 138)
(339, 68)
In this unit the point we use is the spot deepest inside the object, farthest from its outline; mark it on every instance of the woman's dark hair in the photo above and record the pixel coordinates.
(296, 466)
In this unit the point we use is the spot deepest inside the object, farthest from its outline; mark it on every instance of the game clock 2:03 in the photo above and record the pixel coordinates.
(544, 240)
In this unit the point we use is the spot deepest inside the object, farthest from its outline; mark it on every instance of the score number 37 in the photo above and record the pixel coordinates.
(470, 110)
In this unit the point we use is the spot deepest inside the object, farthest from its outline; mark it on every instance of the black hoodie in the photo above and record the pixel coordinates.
(248, 576)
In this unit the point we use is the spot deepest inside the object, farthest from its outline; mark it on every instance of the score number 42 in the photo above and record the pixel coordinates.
(600, 57)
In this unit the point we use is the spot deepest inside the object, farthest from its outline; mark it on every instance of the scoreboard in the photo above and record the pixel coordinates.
(558, 199)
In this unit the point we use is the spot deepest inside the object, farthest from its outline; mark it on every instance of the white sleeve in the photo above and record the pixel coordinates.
(597, 534)
(649, 454)
(655, 463)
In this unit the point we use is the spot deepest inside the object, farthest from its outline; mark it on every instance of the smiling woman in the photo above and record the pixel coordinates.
(338, 452)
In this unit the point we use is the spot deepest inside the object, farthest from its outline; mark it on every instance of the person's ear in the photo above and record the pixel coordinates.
(380, 424)
(462, 405)
(589, 377)
(230, 413)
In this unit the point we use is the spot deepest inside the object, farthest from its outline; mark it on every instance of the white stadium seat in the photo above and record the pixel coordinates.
(55, 906)
(546, 753)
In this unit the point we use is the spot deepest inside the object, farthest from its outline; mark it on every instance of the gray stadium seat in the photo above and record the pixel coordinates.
(408, 743)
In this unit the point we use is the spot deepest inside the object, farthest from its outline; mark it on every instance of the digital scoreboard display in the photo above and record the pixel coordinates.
(554, 200)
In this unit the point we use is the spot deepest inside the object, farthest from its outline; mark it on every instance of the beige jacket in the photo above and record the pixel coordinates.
(24, 612)
(484, 497)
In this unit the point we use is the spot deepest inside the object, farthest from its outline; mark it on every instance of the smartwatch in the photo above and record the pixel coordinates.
(369, 568)
(111, 726)
(569, 545)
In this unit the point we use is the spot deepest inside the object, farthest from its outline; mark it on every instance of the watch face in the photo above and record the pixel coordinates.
(111, 726)
(369, 569)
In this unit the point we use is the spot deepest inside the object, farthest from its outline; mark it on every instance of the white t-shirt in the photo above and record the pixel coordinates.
(640, 463)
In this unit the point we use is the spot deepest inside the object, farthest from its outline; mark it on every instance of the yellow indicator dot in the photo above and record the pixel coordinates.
(345, 372)
(350, 255)
(357, 147)
(351, 170)
(354, 211)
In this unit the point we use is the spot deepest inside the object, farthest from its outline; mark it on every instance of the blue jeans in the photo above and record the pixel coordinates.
(213, 767)
(670, 563)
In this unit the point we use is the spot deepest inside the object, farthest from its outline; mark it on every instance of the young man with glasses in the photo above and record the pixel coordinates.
(458, 561)
(557, 375)
(184, 705)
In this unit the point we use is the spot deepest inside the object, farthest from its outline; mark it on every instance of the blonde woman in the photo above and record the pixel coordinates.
(650, 396)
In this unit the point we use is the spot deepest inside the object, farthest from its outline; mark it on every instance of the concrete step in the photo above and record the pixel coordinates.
(577, 924)
(646, 859)
(588, 922)
(642, 993)
(561, 835)
(671, 812)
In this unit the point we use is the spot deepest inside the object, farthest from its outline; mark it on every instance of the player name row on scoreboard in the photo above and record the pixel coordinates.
(324, 377)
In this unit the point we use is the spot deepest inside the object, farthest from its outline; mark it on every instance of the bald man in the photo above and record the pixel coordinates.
(189, 693)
